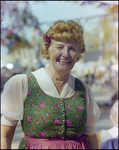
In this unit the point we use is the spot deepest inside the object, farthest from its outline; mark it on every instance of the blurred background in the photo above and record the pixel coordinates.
(21, 22)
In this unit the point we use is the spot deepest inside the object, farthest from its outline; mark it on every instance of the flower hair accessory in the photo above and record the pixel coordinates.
(46, 38)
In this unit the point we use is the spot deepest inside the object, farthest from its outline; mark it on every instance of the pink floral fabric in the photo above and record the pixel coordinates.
(50, 117)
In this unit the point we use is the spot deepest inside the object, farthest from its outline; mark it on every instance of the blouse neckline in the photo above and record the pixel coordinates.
(55, 87)
(69, 85)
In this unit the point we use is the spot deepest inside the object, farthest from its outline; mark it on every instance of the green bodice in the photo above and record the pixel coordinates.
(47, 117)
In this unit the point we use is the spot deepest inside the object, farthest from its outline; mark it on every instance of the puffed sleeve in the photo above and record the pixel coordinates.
(93, 112)
(13, 96)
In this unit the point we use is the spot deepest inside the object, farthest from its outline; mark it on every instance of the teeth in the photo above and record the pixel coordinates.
(65, 61)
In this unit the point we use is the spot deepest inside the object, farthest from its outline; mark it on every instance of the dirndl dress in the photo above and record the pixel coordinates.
(53, 123)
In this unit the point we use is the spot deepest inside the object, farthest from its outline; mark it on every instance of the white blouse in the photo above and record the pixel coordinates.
(15, 92)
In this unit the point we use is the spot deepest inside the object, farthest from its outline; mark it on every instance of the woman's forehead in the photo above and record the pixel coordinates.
(63, 42)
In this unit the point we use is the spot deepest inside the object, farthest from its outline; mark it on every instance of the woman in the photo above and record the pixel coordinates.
(57, 111)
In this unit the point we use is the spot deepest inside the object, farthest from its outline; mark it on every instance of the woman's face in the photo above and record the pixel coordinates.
(63, 55)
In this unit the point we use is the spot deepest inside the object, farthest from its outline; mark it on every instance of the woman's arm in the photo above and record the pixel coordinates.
(93, 142)
(7, 133)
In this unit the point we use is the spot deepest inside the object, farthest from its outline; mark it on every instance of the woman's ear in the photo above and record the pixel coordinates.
(78, 57)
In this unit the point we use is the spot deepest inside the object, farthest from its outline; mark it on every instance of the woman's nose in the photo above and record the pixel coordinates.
(65, 52)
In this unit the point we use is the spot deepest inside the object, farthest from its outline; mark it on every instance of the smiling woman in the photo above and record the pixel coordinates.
(62, 56)
(57, 110)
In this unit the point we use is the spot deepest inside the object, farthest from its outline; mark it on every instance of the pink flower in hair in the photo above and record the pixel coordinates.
(46, 38)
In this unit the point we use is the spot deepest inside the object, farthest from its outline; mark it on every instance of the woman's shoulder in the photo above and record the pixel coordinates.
(18, 77)
(16, 80)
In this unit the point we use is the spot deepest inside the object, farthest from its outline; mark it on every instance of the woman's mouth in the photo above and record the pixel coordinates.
(64, 61)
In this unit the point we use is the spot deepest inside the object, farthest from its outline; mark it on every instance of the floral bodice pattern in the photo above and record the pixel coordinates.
(49, 117)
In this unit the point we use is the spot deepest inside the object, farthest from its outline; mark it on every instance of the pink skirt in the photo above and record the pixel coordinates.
(57, 143)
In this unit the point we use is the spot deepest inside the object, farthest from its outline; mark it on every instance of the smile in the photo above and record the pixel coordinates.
(64, 61)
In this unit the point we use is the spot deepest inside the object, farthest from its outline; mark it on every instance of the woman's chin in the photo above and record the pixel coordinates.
(63, 69)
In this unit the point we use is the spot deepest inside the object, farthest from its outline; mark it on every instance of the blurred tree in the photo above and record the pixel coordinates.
(17, 19)
(110, 31)
(104, 35)
(21, 18)
(92, 39)
(20, 13)
(16, 41)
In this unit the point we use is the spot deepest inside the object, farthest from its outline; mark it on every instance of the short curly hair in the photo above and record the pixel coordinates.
(62, 30)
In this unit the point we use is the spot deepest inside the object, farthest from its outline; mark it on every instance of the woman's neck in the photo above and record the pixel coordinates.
(57, 76)
(59, 80)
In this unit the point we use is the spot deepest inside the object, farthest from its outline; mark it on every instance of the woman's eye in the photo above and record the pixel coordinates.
(59, 47)
(72, 49)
